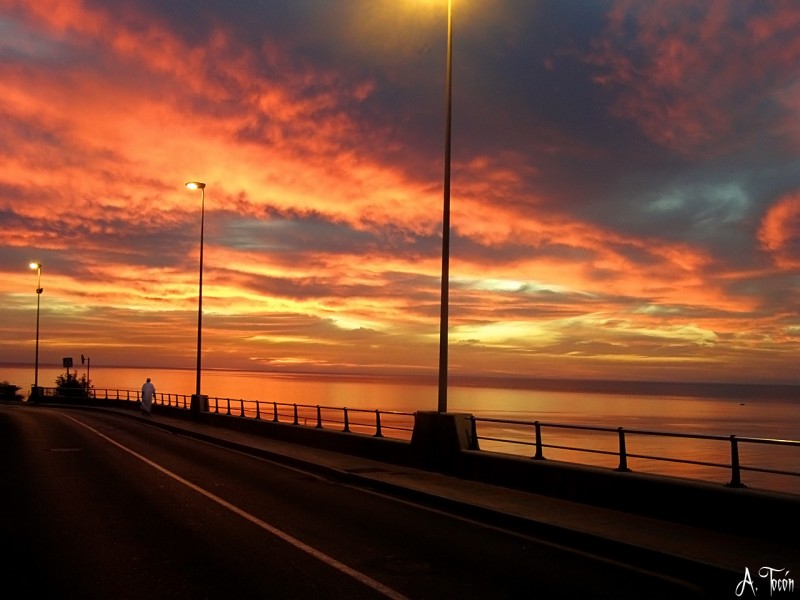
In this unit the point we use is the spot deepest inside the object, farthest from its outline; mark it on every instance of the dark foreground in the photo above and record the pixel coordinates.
(97, 505)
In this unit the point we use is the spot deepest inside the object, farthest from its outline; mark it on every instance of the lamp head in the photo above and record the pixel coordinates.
(34, 266)
(195, 185)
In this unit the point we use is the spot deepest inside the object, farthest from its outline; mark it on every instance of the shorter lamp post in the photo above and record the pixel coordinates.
(38, 268)
(199, 402)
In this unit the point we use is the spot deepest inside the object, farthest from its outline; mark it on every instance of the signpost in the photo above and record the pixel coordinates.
(85, 360)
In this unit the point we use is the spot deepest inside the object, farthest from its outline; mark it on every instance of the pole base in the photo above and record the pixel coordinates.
(439, 438)
(199, 404)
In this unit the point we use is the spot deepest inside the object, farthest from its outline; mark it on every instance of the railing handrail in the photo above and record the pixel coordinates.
(135, 395)
(696, 436)
(314, 415)
(623, 455)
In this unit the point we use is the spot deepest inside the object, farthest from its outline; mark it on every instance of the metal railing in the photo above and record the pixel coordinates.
(530, 435)
(379, 423)
(176, 400)
(508, 436)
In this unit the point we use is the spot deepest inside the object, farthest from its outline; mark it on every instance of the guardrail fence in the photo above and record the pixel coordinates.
(619, 448)
(705, 457)
(379, 423)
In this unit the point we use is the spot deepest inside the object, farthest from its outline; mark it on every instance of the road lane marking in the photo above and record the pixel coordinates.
(319, 555)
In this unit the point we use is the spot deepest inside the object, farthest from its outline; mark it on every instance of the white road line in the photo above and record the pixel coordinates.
(321, 556)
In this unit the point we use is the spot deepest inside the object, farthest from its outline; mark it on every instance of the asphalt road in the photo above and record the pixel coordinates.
(96, 505)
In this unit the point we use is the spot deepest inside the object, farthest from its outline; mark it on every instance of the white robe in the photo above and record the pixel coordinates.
(148, 391)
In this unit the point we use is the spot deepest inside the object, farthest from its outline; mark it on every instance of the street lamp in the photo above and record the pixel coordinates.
(198, 400)
(445, 299)
(38, 268)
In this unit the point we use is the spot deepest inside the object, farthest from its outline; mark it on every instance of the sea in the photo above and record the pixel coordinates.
(695, 416)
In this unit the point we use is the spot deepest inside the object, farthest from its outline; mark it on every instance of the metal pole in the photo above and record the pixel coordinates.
(39, 291)
(200, 292)
(736, 472)
(36, 367)
(623, 453)
(443, 321)
(538, 428)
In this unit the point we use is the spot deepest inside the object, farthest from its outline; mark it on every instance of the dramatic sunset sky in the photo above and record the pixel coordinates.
(625, 185)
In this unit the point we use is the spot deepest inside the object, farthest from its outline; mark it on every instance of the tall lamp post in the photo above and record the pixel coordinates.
(199, 402)
(445, 298)
(38, 268)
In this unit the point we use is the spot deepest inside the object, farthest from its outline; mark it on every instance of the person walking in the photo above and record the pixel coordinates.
(148, 393)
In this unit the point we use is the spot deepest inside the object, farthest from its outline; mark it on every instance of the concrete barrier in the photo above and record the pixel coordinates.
(756, 513)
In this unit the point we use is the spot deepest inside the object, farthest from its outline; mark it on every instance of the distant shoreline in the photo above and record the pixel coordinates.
(733, 391)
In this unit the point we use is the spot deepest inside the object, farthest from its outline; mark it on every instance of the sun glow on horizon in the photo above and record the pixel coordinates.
(669, 247)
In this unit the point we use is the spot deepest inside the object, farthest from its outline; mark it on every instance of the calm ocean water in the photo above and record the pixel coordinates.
(719, 410)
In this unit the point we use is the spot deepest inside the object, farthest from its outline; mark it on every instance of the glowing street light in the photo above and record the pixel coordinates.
(445, 298)
(197, 399)
(38, 268)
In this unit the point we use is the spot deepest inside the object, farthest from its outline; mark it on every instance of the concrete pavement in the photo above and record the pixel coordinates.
(643, 541)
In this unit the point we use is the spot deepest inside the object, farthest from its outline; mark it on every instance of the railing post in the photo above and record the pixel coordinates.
(346, 422)
(319, 417)
(274, 412)
(241, 405)
(538, 430)
(378, 423)
(473, 442)
(228, 402)
(296, 422)
(258, 410)
(623, 455)
(736, 473)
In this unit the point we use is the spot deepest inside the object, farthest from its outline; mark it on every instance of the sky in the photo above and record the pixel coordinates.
(625, 186)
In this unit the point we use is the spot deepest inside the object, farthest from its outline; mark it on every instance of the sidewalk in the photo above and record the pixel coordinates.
(641, 540)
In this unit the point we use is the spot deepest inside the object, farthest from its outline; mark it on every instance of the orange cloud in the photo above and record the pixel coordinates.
(779, 233)
(688, 83)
